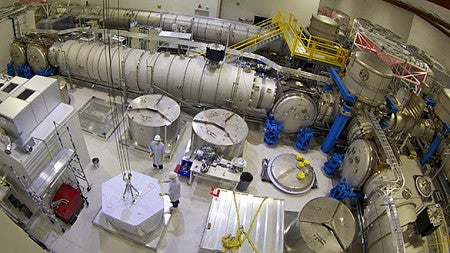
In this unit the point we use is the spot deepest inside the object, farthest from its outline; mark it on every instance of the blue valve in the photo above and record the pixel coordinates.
(304, 139)
(271, 136)
(333, 164)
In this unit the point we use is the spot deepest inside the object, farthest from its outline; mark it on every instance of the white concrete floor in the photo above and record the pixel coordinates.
(185, 229)
(186, 226)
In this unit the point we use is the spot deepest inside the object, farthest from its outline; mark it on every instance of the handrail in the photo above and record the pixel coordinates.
(314, 48)
(255, 40)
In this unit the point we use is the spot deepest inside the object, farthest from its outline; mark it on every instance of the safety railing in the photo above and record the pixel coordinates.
(257, 40)
(301, 43)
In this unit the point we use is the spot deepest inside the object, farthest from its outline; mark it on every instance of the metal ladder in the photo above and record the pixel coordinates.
(77, 171)
(391, 208)
(39, 200)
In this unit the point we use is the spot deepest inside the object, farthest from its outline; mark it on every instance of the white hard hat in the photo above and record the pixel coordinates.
(172, 175)
(157, 138)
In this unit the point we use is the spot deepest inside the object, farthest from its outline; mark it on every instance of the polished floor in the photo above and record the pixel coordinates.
(185, 228)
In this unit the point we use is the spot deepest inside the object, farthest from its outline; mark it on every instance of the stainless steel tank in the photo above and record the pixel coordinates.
(359, 127)
(324, 225)
(324, 27)
(224, 130)
(442, 107)
(358, 162)
(368, 78)
(152, 115)
(37, 57)
(18, 53)
(186, 78)
(328, 108)
(378, 224)
(295, 111)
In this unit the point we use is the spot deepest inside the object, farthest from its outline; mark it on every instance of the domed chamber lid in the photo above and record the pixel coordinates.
(153, 110)
(220, 127)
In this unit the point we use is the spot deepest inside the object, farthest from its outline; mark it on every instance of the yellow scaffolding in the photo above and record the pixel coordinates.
(300, 42)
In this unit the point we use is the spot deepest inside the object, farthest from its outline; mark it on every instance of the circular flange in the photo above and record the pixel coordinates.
(295, 111)
(283, 172)
(423, 186)
(358, 162)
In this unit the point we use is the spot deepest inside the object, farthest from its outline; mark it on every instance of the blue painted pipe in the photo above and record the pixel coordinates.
(392, 108)
(336, 129)
(348, 97)
(434, 145)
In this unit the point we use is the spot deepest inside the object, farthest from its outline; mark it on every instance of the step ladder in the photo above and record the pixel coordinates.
(77, 169)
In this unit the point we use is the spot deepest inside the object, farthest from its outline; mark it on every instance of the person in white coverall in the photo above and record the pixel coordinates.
(157, 152)
(174, 192)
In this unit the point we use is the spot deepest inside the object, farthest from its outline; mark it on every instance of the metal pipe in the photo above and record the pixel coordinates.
(434, 145)
(348, 97)
(186, 78)
(336, 129)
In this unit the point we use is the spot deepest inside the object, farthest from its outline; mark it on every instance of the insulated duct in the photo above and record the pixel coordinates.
(190, 79)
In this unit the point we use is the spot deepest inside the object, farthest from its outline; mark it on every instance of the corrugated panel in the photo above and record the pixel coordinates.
(267, 231)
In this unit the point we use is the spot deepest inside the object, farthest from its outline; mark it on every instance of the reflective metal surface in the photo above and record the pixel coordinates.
(152, 115)
(358, 162)
(359, 127)
(368, 78)
(18, 53)
(295, 111)
(324, 27)
(324, 225)
(379, 237)
(442, 107)
(285, 174)
(96, 117)
(423, 186)
(37, 57)
(226, 131)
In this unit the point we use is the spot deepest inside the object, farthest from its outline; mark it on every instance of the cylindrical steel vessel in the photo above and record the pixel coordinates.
(368, 78)
(18, 53)
(37, 57)
(324, 27)
(223, 130)
(379, 224)
(186, 78)
(311, 231)
(152, 115)
(442, 107)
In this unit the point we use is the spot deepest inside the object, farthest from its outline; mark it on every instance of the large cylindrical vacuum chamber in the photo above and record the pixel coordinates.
(186, 78)
(378, 224)
(152, 115)
(324, 27)
(202, 28)
(368, 78)
(223, 130)
(324, 225)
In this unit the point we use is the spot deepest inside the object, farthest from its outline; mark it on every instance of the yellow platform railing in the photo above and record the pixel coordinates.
(256, 40)
(301, 43)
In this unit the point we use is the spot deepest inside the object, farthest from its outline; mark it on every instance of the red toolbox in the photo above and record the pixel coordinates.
(67, 203)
